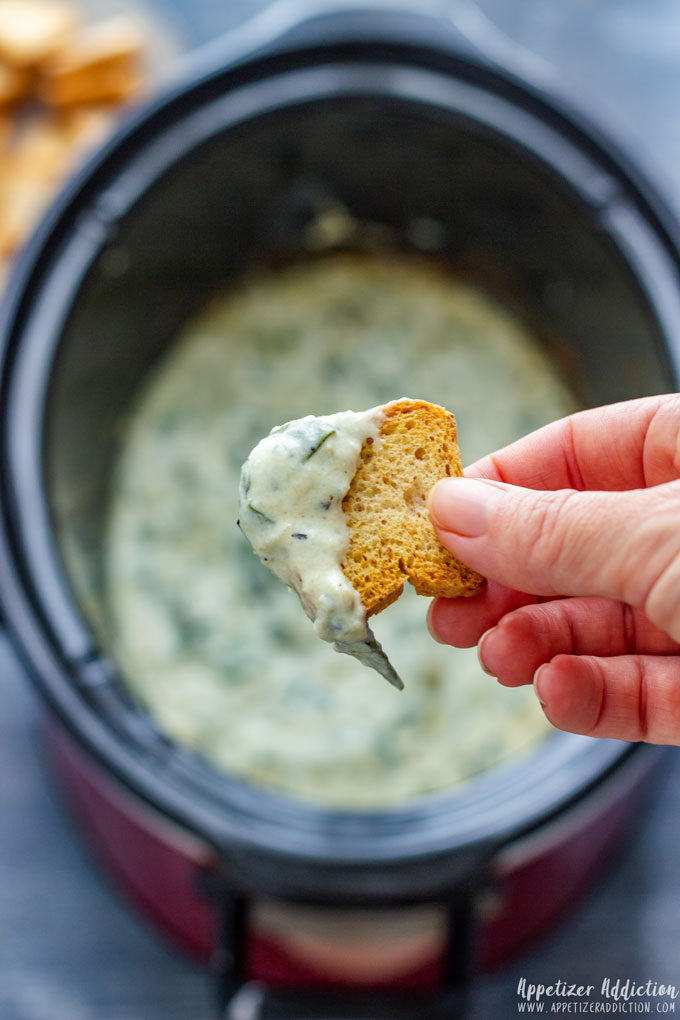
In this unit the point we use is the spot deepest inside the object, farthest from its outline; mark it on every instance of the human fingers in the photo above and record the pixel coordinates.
(461, 622)
(620, 545)
(628, 445)
(532, 635)
(626, 697)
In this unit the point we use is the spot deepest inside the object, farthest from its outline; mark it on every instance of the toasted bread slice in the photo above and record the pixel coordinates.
(100, 63)
(15, 84)
(32, 168)
(391, 537)
(31, 30)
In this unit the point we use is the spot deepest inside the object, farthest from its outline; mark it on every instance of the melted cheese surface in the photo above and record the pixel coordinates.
(290, 510)
(212, 644)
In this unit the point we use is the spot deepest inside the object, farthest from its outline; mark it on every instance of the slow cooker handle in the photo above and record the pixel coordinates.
(241, 999)
(462, 30)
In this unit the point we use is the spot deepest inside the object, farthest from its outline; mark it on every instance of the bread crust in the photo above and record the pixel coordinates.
(391, 536)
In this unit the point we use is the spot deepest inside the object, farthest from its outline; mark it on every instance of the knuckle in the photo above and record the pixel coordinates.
(661, 447)
(554, 541)
(641, 720)
(663, 702)
(654, 564)
(662, 600)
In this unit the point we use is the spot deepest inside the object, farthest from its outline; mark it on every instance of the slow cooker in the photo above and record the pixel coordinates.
(306, 911)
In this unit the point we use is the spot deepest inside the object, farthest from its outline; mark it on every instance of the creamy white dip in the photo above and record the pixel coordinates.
(290, 510)
(215, 646)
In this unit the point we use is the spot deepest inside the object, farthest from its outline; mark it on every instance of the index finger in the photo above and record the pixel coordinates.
(628, 445)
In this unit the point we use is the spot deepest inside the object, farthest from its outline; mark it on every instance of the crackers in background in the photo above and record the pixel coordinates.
(61, 82)
(97, 64)
(31, 30)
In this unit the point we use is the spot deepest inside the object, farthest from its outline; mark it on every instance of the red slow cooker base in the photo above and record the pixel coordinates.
(158, 866)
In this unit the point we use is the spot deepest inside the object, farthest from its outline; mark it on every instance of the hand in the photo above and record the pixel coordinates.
(577, 527)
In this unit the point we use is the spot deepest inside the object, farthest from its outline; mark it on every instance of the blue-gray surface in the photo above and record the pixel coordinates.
(69, 948)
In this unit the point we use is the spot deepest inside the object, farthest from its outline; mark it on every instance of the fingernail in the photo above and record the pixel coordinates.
(463, 505)
(430, 624)
(480, 650)
(537, 683)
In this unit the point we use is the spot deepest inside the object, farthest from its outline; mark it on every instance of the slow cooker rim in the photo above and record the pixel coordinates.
(35, 261)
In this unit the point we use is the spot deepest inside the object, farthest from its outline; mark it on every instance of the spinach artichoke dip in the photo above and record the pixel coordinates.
(290, 510)
(208, 640)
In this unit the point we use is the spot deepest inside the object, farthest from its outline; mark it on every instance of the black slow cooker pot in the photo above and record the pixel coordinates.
(400, 120)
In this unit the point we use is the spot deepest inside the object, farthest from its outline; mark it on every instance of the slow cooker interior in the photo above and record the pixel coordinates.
(247, 198)
(253, 196)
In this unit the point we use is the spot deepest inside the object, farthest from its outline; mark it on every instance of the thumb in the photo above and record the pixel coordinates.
(620, 545)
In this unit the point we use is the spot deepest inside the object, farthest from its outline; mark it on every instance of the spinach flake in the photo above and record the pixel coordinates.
(258, 513)
(319, 443)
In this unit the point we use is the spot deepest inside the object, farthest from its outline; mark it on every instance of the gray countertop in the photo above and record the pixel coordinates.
(70, 949)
